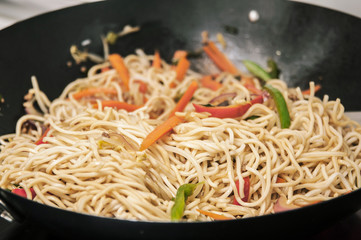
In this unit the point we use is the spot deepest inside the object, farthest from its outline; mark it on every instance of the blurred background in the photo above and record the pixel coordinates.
(12, 11)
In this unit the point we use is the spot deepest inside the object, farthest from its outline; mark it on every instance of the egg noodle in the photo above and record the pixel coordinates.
(89, 160)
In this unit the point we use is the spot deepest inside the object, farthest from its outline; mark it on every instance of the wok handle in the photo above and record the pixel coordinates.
(4, 213)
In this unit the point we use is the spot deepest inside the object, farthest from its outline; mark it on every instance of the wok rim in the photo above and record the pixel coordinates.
(241, 220)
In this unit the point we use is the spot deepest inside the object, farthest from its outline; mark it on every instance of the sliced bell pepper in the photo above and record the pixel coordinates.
(281, 105)
(40, 140)
(257, 70)
(246, 188)
(232, 111)
(183, 192)
(21, 192)
(274, 71)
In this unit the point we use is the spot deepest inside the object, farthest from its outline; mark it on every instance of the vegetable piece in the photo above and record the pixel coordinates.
(182, 68)
(178, 55)
(104, 69)
(208, 82)
(117, 63)
(21, 192)
(215, 216)
(281, 105)
(111, 37)
(118, 105)
(92, 91)
(246, 188)
(184, 100)
(256, 70)
(221, 40)
(253, 89)
(219, 58)
(40, 140)
(232, 111)
(222, 98)
(157, 61)
(274, 71)
(280, 180)
(308, 91)
(281, 205)
(183, 192)
(249, 84)
(143, 87)
(160, 131)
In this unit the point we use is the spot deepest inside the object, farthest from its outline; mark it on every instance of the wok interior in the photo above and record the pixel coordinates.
(304, 40)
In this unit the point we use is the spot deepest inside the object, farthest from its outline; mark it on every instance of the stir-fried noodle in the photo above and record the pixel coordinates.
(89, 160)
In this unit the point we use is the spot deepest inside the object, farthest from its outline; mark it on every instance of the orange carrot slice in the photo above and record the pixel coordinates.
(157, 61)
(184, 100)
(117, 63)
(160, 131)
(92, 91)
(208, 82)
(280, 180)
(104, 69)
(215, 216)
(308, 91)
(179, 54)
(118, 105)
(219, 58)
(182, 68)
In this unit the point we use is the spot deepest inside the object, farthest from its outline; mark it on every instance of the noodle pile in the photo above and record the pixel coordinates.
(89, 160)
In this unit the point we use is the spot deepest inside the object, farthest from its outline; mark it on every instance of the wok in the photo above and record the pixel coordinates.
(309, 43)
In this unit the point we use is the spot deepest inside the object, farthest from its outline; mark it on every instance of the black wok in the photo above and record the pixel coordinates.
(309, 43)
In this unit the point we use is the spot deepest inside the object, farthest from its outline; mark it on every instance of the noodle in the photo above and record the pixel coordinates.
(89, 160)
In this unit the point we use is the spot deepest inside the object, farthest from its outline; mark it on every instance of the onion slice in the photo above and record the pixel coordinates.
(281, 205)
(223, 97)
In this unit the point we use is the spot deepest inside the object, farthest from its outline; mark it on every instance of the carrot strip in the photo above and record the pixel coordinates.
(179, 54)
(40, 140)
(184, 100)
(157, 61)
(308, 91)
(219, 58)
(143, 87)
(92, 91)
(117, 62)
(182, 68)
(118, 105)
(231, 68)
(208, 82)
(160, 131)
(215, 216)
(215, 59)
(280, 180)
(105, 69)
(172, 85)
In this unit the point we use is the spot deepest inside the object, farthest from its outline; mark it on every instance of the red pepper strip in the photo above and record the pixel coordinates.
(21, 192)
(40, 140)
(232, 111)
(253, 89)
(246, 188)
(143, 87)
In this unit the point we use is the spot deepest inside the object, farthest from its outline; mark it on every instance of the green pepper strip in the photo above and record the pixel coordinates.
(257, 70)
(274, 71)
(183, 192)
(280, 105)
